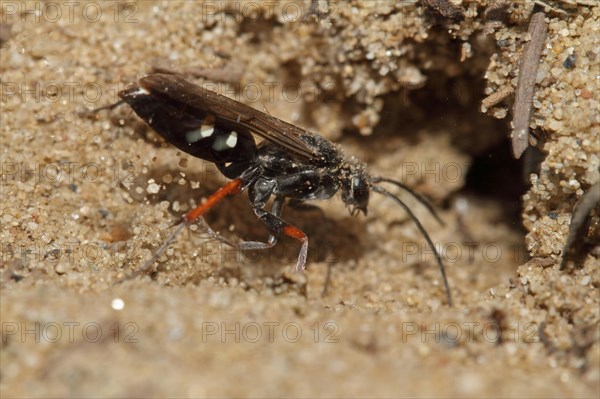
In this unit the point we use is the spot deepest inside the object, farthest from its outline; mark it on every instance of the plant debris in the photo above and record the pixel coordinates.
(538, 29)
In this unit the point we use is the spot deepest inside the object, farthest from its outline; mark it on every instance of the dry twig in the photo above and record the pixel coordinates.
(497, 96)
(538, 29)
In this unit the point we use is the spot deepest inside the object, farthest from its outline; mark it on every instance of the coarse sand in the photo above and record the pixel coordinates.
(87, 198)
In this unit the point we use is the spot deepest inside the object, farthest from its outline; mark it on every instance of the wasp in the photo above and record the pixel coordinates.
(289, 163)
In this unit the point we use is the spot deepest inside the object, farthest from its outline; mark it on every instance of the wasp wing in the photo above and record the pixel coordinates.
(196, 100)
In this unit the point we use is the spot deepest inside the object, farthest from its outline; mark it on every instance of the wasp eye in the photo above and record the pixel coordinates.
(356, 194)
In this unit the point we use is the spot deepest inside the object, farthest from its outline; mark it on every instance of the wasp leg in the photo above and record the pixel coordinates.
(259, 194)
(279, 226)
(232, 188)
(273, 238)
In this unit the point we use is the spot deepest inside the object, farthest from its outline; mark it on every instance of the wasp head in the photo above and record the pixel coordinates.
(355, 190)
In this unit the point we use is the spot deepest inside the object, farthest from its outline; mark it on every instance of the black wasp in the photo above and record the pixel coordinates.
(289, 163)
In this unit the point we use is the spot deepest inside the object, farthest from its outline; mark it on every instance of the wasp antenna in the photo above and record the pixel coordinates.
(108, 107)
(438, 258)
(417, 196)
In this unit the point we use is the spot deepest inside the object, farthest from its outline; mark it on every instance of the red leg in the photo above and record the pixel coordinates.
(294, 232)
(231, 188)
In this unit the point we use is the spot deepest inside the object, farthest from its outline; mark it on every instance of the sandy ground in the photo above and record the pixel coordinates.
(86, 200)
